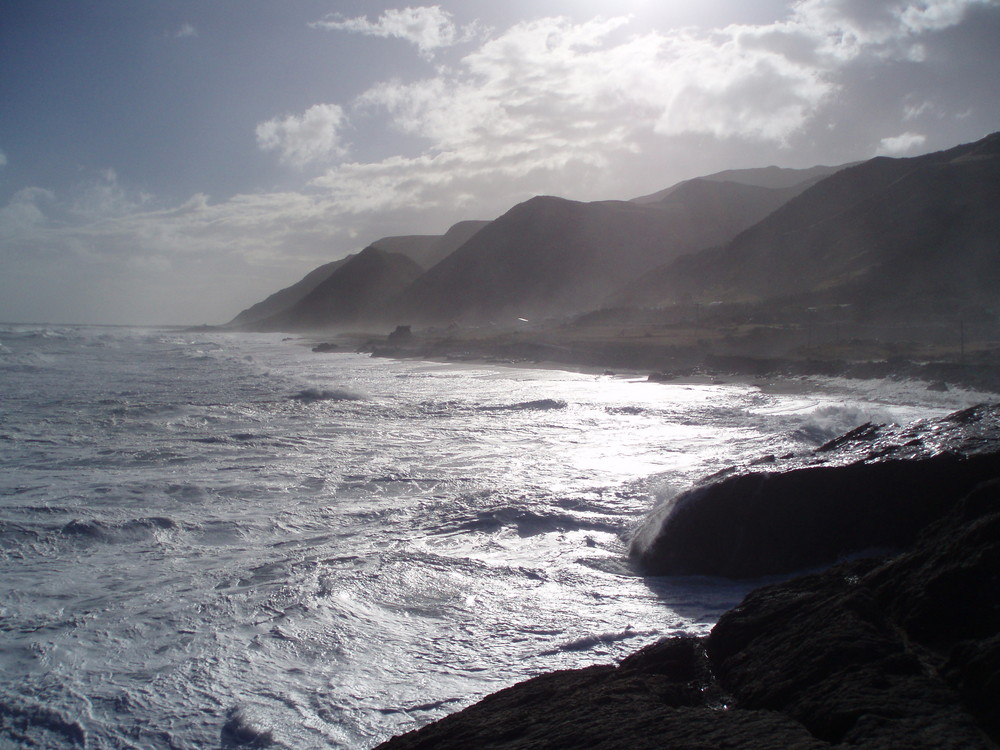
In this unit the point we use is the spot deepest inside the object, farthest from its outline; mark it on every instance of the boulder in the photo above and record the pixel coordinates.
(872, 489)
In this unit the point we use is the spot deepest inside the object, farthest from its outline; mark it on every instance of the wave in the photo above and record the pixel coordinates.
(527, 523)
(12, 534)
(827, 422)
(634, 411)
(597, 639)
(542, 404)
(431, 706)
(237, 437)
(29, 333)
(20, 720)
(310, 395)
(135, 530)
(29, 361)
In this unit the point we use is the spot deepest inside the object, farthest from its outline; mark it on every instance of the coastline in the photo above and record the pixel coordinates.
(897, 650)
(684, 354)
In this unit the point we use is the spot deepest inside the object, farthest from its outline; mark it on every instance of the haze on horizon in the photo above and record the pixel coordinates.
(177, 162)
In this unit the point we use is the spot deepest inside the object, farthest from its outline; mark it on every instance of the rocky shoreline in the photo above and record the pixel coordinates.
(694, 353)
(896, 651)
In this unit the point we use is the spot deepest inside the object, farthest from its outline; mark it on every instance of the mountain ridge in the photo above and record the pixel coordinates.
(862, 236)
(884, 236)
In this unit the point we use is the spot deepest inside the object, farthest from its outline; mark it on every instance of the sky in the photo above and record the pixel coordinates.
(175, 162)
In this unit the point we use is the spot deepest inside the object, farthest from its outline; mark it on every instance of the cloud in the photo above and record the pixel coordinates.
(900, 144)
(3, 159)
(23, 213)
(429, 28)
(312, 137)
(914, 111)
(104, 197)
(851, 27)
(186, 30)
(550, 90)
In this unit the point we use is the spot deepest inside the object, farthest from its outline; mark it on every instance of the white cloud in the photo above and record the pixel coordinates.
(550, 87)
(934, 15)
(900, 144)
(549, 91)
(886, 27)
(315, 136)
(23, 213)
(914, 111)
(104, 197)
(429, 28)
(186, 30)
(3, 159)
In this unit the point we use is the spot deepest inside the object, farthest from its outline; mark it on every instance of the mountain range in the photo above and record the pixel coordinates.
(890, 236)
(885, 237)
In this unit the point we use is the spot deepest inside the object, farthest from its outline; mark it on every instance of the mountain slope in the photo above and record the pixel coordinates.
(355, 293)
(776, 178)
(551, 256)
(430, 249)
(426, 250)
(287, 297)
(887, 234)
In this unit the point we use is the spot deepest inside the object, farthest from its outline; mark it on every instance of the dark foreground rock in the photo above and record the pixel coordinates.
(894, 654)
(874, 488)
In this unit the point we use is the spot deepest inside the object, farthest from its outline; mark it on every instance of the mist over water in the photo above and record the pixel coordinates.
(210, 537)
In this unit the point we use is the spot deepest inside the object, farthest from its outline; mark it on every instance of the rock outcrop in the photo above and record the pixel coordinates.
(872, 489)
(876, 653)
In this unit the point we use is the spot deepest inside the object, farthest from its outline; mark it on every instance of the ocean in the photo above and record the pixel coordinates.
(219, 539)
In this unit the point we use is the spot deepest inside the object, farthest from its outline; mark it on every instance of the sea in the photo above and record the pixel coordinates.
(221, 540)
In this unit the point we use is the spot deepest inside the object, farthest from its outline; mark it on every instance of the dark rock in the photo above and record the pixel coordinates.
(239, 732)
(326, 347)
(400, 335)
(660, 692)
(872, 654)
(902, 654)
(874, 488)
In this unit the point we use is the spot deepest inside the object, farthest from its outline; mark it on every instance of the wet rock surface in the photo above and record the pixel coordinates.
(872, 489)
(878, 653)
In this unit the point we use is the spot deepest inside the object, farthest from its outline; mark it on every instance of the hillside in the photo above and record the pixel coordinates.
(889, 236)
(430, 249)
(356, 293)
(882, 240)
(551, 256)
(776, 178)
(285, 298)
(424, 249)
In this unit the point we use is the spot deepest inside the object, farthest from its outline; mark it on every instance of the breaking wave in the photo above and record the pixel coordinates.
(542, 404)
(138, 529)
(310, 395)
(593, 640)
